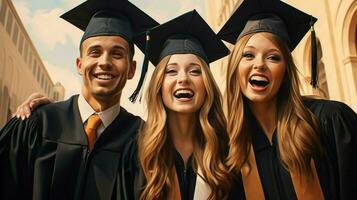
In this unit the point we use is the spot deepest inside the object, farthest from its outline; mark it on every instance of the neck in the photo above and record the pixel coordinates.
(100, 104)
(182, 127)
(266, 114)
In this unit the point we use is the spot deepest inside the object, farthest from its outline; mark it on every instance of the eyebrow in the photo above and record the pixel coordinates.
(114, 47)
(190, 64)
(269, 50)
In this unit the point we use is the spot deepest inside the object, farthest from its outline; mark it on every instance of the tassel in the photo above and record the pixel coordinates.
(135, 94)
(314, 69)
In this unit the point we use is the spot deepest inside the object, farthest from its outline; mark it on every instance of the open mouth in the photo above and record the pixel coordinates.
(104, 76)
(259, 81)
(184, 94)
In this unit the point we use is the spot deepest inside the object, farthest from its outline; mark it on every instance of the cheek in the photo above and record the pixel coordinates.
(201, 87)
(279, 74)
(242, 75)
(166, 89)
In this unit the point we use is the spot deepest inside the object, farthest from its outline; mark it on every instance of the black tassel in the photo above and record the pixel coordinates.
(314, 69)
(135, 94)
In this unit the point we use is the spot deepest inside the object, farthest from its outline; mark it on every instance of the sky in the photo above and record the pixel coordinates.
(57, 41)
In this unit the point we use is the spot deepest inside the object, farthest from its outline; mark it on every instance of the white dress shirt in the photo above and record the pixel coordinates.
(107, 116)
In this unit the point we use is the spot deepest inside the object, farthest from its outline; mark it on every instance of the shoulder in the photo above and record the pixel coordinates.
(324, 109)
(69, 104)
(18, 131)
(128, 119)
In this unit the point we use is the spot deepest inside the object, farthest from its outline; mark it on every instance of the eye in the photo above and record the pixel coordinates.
(196, 72)
(94, 52)
(118, 54)
(275, 57)
(247, 55)
(170, 71)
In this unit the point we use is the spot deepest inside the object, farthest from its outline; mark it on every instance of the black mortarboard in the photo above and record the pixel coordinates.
(273, 16)
(109, 17)
(186, 34)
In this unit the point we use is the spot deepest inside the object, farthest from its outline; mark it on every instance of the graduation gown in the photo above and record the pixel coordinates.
(133, 179)
(337, 170)
(47, 157)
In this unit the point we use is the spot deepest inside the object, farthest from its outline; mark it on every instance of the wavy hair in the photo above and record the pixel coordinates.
(211, 141)
(296, 125)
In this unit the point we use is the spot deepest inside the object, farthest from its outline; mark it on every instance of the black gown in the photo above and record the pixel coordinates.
(46, 156)
(337, 170)
(133, 179)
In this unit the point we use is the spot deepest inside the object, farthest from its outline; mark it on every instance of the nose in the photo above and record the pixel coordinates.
(104, 61)
(259, 63)
(182, 78)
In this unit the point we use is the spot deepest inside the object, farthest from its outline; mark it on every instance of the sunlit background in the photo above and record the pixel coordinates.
(38, 49)
(57, 41)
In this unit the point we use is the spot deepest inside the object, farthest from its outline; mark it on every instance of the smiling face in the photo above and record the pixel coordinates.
(183, 88)
(261, 69)
(105, 66)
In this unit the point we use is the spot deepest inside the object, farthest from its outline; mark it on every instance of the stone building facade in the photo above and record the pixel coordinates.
(22, 71)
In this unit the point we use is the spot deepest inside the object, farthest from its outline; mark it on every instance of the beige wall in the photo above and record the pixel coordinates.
(21, 69)
(336, 32)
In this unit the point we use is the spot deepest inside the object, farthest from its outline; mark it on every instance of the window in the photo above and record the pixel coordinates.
(26, 53)
(42, 81)
(21, 44)
(45, 87)
(55, 96)
(9, 22)
(48, 89)
(3, 11)
(38, 74)
(30, 58)
(34, 66)
(15, 34)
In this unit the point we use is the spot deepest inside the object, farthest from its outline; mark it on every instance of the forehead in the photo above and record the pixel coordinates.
(184, 59)
(106, 42)
(262, 40)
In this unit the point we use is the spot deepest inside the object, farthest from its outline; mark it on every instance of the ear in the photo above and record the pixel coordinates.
(79, 66)
(132, 70)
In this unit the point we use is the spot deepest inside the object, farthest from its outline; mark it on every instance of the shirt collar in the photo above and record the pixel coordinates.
(107, 116)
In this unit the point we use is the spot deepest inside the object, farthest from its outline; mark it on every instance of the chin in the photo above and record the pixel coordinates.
(186, 110)
(259, 98)
(105, 92)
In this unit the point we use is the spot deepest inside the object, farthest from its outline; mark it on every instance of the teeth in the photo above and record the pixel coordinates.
(184, 92)
(258, 78)
(105, 76)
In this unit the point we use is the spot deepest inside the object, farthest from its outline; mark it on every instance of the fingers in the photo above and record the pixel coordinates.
(39, 101)
(23, 111)
(33, 96)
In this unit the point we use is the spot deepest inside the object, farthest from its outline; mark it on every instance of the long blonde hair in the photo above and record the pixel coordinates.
(156, 148)
(298, 138)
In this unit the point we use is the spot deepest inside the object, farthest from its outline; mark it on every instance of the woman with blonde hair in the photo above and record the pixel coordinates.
(182, 147)
(181, 150)
(282, 146)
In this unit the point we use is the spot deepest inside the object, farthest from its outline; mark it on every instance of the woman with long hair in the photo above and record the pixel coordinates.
(282, 145)
(182, 147)
(181, 150)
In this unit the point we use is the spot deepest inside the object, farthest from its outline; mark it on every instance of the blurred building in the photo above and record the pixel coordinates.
(336, 32)
(22, 71)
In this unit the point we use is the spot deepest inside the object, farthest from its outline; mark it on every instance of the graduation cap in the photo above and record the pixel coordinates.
(185, 34)
(109, 18)
(276, 17)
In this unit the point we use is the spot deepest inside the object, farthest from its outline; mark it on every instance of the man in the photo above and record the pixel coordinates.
(72, 149)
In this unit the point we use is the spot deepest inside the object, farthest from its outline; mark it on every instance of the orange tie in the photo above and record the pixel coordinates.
(91, 129)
